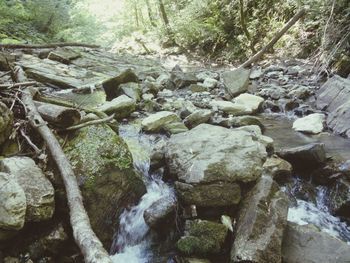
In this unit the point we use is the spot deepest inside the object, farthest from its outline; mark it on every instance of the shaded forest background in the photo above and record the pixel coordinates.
(221, 29)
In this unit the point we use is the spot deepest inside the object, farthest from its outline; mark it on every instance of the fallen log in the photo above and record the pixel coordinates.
(88, 123)
(273, 41)
(53, 45)
(60, 116)
(90, 246)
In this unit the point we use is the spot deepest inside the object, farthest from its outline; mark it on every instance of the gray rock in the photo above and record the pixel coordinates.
(63, 55)
(210, 153)
(6, 122)
(212, 195)
(245, 121)
(38, 189)
(202, 238)
(236, 81)
(210, 83)
(13, 206)
(111, 85)
(197, 117)
(132, 90)
(273, 92)
(207, 74)
(256, 73)
(198, 88)
(121, 106)
(159, 212)
(313, 123)
(334, 96)
(308, 244)
(182, 79)
(250, 102)
(278, 168)
(155, 122)
(301, 92)
(339, 198)
(260, 225)
(175, 127)
(229, 107)
(306, 156)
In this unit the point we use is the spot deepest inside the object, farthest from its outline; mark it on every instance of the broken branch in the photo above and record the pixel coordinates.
(88, 123)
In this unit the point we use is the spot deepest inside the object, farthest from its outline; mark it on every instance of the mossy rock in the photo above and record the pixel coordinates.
(6, 122)
(202, 238)
(103, 165)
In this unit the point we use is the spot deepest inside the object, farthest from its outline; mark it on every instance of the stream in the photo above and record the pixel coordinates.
(134, 237)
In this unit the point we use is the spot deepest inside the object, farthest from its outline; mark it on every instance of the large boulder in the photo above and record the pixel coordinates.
(209, 160)
(334, 96)
(251, 102)
(12, 206)
(236, 81)
(308, 244)
(313, 123)
(38, 189)
(159, 212)
(197, 117)
(103, 165)
(202, 238)
(261, 223)
(339, 198)
(6, 119)
(182, 79)
(229, 107)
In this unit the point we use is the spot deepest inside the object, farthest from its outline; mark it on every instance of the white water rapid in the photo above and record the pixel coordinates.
(133, 241)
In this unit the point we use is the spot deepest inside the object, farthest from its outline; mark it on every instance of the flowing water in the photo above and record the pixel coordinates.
(134, 238)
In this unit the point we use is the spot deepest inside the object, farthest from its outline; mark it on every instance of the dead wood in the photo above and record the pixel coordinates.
(273, 41)
(88, 123)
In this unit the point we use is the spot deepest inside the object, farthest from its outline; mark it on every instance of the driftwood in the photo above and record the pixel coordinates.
(16, 85)
(88, 123)
(90, 246)
(273, 41)
(58, 115)
(53, 45)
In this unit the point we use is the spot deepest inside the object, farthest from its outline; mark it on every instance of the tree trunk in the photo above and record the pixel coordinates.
(150, 14)
(163, 13)
(258, 55)
(90, 246)
(244, 25)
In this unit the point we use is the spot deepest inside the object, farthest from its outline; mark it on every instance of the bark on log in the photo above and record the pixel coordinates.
(53, 45)
(60, 116)
(258, 55)
(90, 246)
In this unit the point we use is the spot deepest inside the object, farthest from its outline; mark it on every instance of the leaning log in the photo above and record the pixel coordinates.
(53, 45)
(273, 41)
(59, 116)
(90, 246)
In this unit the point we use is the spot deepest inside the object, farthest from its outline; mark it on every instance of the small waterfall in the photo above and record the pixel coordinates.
(134, 239)
(306, 212)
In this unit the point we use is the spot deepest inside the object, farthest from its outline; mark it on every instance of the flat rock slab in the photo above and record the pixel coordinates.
(38, 189)
(211, 153)
(121, 106)
(334, 96)
(157, 121)
(251, 102)
(308, 244)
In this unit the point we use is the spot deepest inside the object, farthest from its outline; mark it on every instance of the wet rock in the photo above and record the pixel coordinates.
(278, 168)
(132, 90)
(208, 153)
(245, 121)
(121, 106)
(49, 244)
(308, 244)
(6, 122)
(305, 157)
(38, 189)
(339, 198)
(111, 85)
(334, 96)
(313, 123)
(261, 223)
(256, 73)
(159, 212)
(182, 79)
(197, 117)
(103, 165)
(202, 238)
(207, 74)
(301, 92)
(13, 206)
(155, 122)
(63, 55)
(212, 195)
(250, 102)
(236, 81)
(229, 107)
(175, 128)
